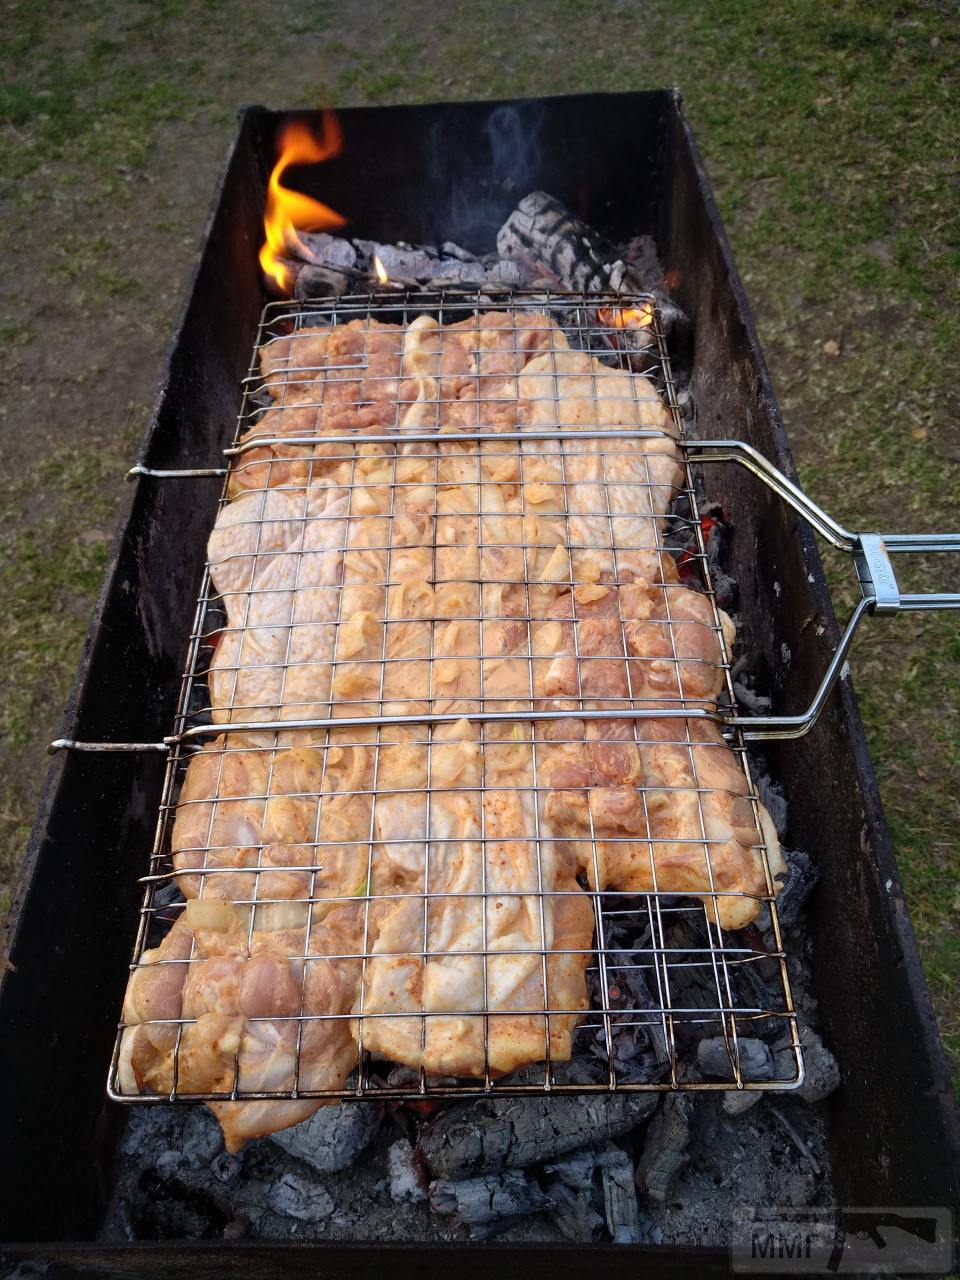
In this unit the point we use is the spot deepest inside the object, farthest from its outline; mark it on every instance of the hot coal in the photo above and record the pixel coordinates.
(541, 245)
(572, 1186)
(737, 1101)
(333, 1137)
(542, 235)
(294, 1196)
(489, 1201)
(331, 265)
(798, 883)
(821, 1069)
(772, 796)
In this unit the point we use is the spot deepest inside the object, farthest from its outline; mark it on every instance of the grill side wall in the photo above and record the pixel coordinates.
(893, 1124)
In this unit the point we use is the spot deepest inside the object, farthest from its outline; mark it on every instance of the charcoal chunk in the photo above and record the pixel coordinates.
(405, 1180)
(821, 1071)
(333, 1137)
(481, 1202)
(620, 1206)
(714, 1058)
(666, 1147)
(501, 1133)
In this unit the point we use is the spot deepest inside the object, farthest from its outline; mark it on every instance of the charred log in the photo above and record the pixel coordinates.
(323, 265)
(665, 1150)
(490, 1201)
(572, 1188)
(542, 233)
(620, 1206)
(494, 1134)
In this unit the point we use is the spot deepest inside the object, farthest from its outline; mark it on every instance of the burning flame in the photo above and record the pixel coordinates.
(289, 211)
(626, 317)
(381, 270)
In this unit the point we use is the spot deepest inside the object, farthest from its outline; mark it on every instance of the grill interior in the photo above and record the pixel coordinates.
(660, 972)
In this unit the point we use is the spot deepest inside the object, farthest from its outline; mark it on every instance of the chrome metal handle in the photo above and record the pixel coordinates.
(871, 554)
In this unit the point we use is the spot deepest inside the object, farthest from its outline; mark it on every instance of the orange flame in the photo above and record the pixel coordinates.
(381, 270)
(626, 317)
(290, 211)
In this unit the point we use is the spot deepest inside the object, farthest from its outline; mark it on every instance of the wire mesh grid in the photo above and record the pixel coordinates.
(410, 841)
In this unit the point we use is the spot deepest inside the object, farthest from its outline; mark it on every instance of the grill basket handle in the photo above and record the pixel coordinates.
(871, 554)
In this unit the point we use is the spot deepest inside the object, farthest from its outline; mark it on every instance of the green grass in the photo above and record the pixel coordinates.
(829, 129)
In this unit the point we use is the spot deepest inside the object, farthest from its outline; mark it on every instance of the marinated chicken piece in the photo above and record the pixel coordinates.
(249, 532)
(267, 1056)
(249, 822)
(618, 490)
(273, 658)
(281, 466)
(440, 958)
(630, 791)
(350, 370)
(152, 1007)
(241, 1014)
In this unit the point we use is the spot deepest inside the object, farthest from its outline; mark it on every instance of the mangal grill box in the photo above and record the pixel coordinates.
(628, 165)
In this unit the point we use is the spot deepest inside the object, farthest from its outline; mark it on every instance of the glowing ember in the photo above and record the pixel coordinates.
(380, 270)
(288, 211)
(626, 317)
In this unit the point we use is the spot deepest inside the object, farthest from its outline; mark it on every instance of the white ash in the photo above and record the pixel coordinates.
(293, 1196)
(748, 1160)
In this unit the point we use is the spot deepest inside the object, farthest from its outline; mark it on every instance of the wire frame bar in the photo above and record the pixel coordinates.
(659, 970)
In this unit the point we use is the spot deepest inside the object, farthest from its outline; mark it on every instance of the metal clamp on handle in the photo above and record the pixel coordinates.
(871, 554)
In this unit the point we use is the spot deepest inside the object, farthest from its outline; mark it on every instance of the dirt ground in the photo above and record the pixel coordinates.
(830, 132)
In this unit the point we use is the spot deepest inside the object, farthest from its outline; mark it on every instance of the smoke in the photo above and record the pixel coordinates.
(476, 179)
(514, 136)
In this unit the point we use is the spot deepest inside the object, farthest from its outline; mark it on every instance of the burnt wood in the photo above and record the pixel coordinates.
(626, 164)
